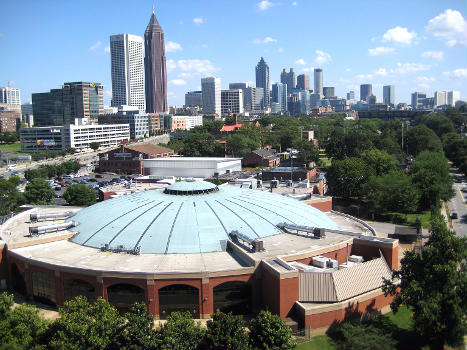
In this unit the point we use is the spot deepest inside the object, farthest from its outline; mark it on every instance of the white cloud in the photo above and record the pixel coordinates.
(403, 68)
(456, 73)
(426, 79)
(308, 69)
(399, 35)
(198, 20)
(348, 69)
(294, 3)
(300, 61)
(382, 71)
(264, 5)
(424, 86)
(363, 77)
(191, 68)
(437, 55)
(172, 46)
(266, 40)
(95, 46)
(107, 49)
(177, 82)
(107, 94)
(450, 26)
(280, 50)
(381, 50)
(322, 57)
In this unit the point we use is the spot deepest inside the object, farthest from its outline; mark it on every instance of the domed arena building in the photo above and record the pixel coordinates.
(200, 247)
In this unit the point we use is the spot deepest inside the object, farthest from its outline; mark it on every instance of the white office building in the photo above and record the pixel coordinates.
(188, 167)
(440, 98)
(211, 88)
(453, 97)
(127, 70)
(10, 96)
(254, 99)
(232, 101)
(55, 138)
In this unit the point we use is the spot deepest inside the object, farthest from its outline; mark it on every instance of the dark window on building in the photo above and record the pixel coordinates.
(75, 287)
(122, 296)
(43, 288)
(17, 279)
(233, 297)
(178, 297)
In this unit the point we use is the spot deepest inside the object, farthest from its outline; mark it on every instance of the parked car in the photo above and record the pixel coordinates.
(58, 188)
(454, 216)
(92, 180)
(57, 195)
(99, 176)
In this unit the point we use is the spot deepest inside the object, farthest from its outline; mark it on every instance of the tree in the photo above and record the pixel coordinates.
(38, 191)
(80, 195)
(199, 144)
(84, 325)
(350, 143)
(180, 332)
(94, 145)
(269, 332)
(379, 161)
(21, 327)
(430, 173)
(455, 148)
(138, 332)
(10, 198)
(308, 152)
(433, 284)
(420, 138)
(226, 332)
(393, 191)
(238, 145)
(440, 124)
(346, 177)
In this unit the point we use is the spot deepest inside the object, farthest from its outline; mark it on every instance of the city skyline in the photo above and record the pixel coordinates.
(420, 48)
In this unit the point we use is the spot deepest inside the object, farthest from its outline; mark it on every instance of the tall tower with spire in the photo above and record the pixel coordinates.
(262, 81)
(154, 67)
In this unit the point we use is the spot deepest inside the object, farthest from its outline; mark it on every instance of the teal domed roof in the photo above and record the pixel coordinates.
(189, 217)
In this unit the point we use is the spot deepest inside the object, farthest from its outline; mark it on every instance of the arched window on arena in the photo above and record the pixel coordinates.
(123, 295)
(17, 280)
(75, 287)
(178, 297)
(233, 297)
(43, 288)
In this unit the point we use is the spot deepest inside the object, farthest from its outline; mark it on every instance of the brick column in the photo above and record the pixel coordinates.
(207, 299)
(150, 297)
(100, 290)
(59, 292)
(28, 280)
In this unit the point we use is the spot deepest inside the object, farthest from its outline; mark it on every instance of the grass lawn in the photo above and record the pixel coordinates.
(402, 319)
(10, 147)
(424, 218)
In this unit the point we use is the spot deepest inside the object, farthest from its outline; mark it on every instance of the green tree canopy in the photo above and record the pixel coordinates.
(80, 195)
(225, 332)
(269, 332)
(239, 145)
(430, 174)
(433, 284)
(439, 123)
(455, 148)
(38, 191)
(94, 145)
(350, 143)
(380, 162)
(84, 325)
(199, 144)
(346, 177)
(180, 332)
(421, 138)
(308, 152)
(10, 198)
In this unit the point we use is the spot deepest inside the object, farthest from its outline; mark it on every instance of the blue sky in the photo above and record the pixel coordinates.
(415, 45)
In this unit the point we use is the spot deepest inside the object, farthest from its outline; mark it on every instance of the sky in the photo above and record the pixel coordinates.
(415, 45)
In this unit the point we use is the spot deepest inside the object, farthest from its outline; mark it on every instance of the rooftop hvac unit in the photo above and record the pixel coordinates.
(34, 217)
(319, 232)
(256, 244)
(320, 261)
(36, 230)
(274, 183)
(333, 264)
(356, 259)
(347, 265)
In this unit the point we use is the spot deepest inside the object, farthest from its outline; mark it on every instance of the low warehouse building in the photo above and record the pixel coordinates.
(202, 248)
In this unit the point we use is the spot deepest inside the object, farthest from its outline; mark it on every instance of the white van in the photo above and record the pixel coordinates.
(70, 176)
(11, 167)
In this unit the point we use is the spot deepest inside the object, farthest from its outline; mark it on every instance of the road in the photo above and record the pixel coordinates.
(458, 205)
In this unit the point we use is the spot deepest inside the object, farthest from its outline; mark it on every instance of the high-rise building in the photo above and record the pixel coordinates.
(127, 70)
(388, 95)
(154, 67)
(232, 101)
(329, 91)
(211, 90)
(365, 91)
(303, 82)
(440, 98)
(289, 79)
(253, 99)
(453, 97)
(262, 80)
(279, 95)
(83, 101)
(318, 81)
(194, 98)
(372, 100)
(10, 96)
(351, 95)
(47, 108)
(241, 86)
(315, 100)
(416, 97)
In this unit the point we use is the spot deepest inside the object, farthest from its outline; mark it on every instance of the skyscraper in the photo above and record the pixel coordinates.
(154, 67)
(289, 79)
(388, 95)
(127, 70)
(262, 80)
(232, 101)
(440, 98)
(194, 98)
(329, 91)
(243, 87)
(365, 91)
(318, 81)
(351, 95)
(211, 88)
(279, 95)
(416, 97)
(303, 82)
(253, 99)
(10, 96)
(453, 97)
